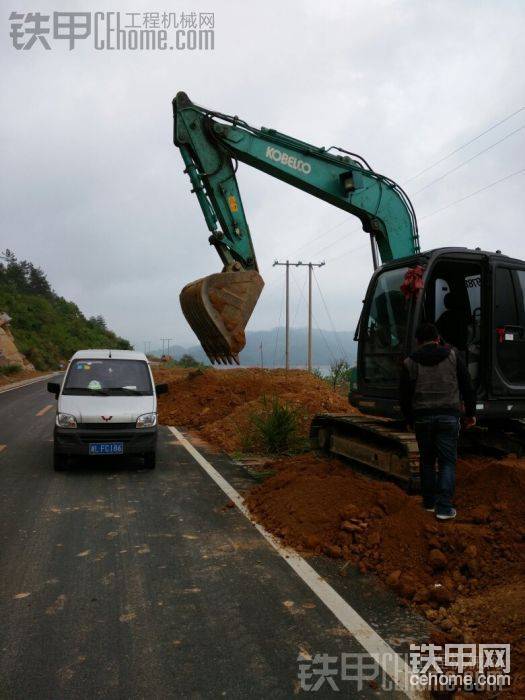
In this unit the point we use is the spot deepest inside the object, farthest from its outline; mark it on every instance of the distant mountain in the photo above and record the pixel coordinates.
(326, 346)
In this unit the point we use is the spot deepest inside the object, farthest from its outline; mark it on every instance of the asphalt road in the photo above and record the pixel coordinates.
(118, 582)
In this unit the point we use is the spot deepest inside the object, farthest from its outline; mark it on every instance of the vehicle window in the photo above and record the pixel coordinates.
(456, 305)
(386, 329)
(442, 289)
(520, 275)
(108, 376)
(509, 320)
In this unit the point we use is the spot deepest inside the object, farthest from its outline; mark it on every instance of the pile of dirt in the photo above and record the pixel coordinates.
(18, 376)
(465, 575)
(218, 403)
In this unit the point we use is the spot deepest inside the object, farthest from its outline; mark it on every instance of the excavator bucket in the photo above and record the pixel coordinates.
(218, 307)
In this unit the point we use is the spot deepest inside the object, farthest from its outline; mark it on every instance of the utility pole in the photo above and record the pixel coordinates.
(310, 267)
(168, 340)
(287, 314)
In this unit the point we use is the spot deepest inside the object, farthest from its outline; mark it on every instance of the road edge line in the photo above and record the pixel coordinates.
(388, 659)
(26, 382)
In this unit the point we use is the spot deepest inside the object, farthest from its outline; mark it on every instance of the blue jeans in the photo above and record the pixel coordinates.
(437, 438)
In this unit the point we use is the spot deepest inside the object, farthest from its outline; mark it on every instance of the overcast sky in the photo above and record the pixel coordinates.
(93, 189)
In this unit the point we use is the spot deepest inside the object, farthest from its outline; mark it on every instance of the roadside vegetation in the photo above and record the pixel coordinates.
(186, 361)
(7, 370)
(46, 327)
(274, 428)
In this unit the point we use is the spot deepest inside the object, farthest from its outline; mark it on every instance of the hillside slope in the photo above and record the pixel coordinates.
(46, 327)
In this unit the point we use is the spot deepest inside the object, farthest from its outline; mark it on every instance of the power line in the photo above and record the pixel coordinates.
(278, 329)
(310, 267)
(318, 327)
(437, 211)
(338, 339)
(352, 250)
(421, 172)
(297, 306)
(472, 194)
(321, 235)
(457, 167)
(459, 148)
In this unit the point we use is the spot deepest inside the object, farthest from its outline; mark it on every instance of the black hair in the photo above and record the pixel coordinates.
(427, 333)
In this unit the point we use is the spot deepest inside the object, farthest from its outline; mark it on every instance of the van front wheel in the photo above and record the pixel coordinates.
(150, 460)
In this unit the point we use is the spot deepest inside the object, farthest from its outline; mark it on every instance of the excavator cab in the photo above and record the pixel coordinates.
(477, 301)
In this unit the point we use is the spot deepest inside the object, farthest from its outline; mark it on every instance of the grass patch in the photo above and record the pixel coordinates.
(6, 370)
(274, 428)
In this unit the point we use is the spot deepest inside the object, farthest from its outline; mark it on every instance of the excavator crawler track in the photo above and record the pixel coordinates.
(381, 445)
(376, 443)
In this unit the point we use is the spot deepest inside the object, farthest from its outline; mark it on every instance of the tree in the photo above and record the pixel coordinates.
(188, 361)
(99, 322)
(338, 371)
(38, 281)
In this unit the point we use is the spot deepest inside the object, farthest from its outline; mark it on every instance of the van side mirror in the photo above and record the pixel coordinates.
(161, 389)
(53, 388)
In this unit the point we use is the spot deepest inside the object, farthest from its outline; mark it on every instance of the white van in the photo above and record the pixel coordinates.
(107, 405)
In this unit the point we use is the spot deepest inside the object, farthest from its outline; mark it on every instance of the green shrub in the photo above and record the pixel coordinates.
(275, 428)
(9, 369)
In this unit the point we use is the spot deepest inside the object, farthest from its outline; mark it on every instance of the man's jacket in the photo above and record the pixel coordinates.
(435, 381)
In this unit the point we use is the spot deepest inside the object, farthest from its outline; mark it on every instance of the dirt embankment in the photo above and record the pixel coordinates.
(218, 403)
(19, 376)
(466, 576)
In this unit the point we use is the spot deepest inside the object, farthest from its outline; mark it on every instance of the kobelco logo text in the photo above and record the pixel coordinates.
(290, 161)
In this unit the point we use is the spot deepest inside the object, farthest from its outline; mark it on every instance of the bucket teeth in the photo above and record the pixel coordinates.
(218, 307)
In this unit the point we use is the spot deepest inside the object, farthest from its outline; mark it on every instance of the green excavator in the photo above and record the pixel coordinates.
(477, 298)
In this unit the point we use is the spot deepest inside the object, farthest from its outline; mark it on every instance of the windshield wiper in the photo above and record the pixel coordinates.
(101, 392)
(127, 390)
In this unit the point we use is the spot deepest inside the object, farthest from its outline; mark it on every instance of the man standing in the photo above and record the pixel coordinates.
(434, 383)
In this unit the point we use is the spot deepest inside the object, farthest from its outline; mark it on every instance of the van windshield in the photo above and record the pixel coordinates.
(107, 377)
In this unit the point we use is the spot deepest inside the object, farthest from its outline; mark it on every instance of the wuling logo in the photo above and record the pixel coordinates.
(106, 418)
(290, 161)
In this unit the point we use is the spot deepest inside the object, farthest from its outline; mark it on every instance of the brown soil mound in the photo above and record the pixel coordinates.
(465, 575)
(218, 404)
(19, 376)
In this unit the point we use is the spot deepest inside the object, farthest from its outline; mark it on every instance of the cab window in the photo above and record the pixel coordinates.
(385, 331)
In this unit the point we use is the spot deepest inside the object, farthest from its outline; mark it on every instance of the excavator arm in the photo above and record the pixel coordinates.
(212, 144)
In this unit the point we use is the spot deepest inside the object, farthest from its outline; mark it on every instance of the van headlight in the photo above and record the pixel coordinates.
(65, 420)
(147, 420)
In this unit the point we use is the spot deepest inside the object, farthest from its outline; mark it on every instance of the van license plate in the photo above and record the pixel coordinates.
(106, 448)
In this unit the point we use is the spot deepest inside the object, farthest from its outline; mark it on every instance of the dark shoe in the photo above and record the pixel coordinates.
(447, 514)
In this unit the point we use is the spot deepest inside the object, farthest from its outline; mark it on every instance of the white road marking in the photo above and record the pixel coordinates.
(391, 663)
(20, 385)
(45, 409)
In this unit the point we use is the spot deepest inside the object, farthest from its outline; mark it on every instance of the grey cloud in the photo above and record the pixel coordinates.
(93, 189)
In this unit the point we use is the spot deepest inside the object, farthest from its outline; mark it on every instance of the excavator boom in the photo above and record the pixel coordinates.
(212, 144)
